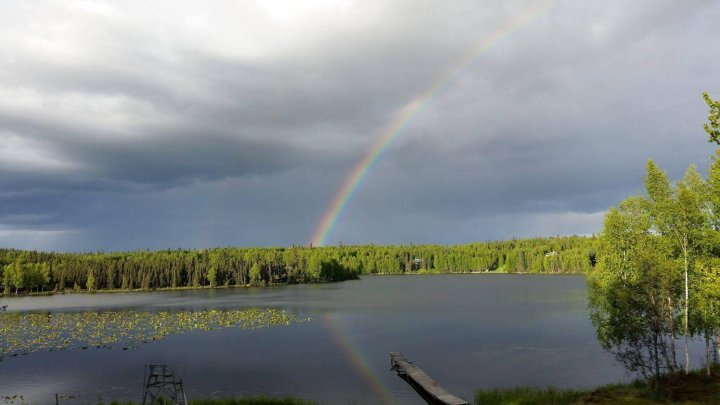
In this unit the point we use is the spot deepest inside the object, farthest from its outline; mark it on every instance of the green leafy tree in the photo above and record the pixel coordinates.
(19, 275)
(314, 269)
(706, 296)
(44, 274)
(255, 274)
(688, 235)
(90, 284)
(212, 276)
(714, 194)
(8, 272)
(712, 127)
(658, 271)
(679, 219)
(628, 290)
(709, 287)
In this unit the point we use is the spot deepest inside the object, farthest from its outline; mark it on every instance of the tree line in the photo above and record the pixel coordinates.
(657, 282)
(29, 271)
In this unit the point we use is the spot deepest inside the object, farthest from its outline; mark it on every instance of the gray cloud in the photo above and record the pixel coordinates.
(126, 125)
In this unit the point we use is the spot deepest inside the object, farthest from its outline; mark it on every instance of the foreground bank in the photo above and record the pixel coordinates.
(676, 388)
(695, 388)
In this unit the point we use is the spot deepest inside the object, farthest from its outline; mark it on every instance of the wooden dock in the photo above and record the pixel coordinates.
(430, 390)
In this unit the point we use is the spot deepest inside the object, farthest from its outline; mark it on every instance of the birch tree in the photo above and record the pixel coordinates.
(629, 290)
(688, 232)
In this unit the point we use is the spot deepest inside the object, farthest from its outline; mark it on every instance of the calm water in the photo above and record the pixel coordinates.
(466, 331)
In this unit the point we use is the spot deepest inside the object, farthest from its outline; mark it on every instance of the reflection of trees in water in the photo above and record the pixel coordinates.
(33, 332)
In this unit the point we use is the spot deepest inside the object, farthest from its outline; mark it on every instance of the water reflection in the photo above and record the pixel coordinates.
(466, 331)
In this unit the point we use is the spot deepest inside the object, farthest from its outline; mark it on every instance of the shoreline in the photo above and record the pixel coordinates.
(222, 287)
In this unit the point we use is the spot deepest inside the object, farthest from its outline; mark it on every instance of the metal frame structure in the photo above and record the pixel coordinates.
(160, 382)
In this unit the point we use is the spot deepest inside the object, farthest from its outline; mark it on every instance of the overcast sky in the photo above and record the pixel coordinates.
(125, 125)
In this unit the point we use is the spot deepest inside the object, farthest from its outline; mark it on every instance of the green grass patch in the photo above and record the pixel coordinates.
(252, 401)
(528, 396)
(240, 401)
(693, 389)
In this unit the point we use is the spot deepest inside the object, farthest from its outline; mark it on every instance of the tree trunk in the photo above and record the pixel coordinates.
(657, 357)
(665, 354)
(687, 310)
(707, 355)
(672, 334)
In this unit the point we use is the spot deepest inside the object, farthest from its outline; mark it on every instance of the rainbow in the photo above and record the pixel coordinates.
(357, 360)
(359, 172)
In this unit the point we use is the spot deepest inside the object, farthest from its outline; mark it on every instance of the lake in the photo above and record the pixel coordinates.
(466, 331)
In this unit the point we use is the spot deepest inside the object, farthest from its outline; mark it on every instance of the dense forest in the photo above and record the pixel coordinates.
(28, 271)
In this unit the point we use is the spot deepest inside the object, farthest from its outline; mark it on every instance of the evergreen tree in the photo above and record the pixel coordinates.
(90, 285)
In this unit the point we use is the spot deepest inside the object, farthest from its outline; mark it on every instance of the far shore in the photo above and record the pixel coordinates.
(220, 287)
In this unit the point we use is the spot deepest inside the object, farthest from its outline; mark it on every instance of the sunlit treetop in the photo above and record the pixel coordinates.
(712, 127)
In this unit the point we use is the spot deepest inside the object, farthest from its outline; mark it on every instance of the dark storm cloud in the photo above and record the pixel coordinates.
(565, 136)
(158, 160)
(131, 125)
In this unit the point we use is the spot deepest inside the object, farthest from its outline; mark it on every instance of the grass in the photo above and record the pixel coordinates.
(239, 401)
(528, 396)
(251, 401)
(695, 388)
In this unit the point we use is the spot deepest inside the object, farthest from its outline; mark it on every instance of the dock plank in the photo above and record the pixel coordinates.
(428, 388)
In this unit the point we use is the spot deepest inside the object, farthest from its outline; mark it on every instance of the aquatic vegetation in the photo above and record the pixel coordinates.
(23, 333)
